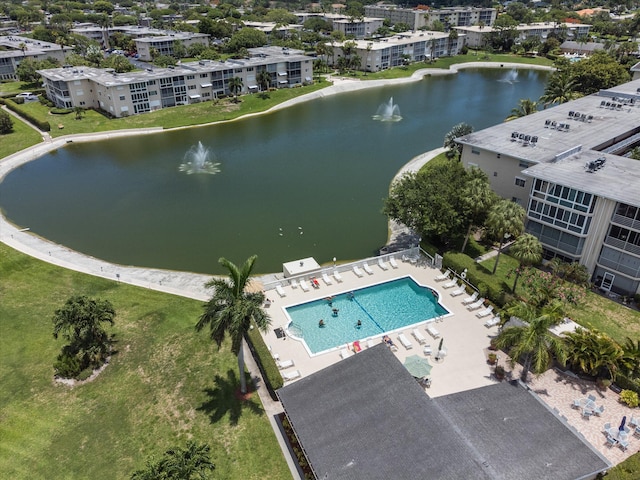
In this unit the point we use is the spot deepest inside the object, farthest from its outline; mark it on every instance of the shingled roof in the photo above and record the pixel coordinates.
(367, 417)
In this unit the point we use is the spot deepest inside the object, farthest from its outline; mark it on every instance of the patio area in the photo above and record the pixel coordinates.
(464, 367)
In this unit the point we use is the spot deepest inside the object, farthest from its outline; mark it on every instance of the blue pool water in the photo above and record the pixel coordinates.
(381, 308)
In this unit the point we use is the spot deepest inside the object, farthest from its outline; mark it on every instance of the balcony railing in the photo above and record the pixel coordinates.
(626, 221)
(616, 267)
(621, 244)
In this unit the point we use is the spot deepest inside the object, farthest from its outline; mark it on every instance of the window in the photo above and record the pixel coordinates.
(192, 87)
(498, 156)
(475, 151)
(121, 97)
(151, 82)
(190, 77)
(81, 103)
(495, 174)
(520, 182)
(524, 164)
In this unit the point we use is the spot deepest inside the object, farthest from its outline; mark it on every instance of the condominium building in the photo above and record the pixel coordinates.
(401, 48)
(425, 17)
(138, 92)
(477, 35)
(163, 45)
(14, 49)
(569, 167)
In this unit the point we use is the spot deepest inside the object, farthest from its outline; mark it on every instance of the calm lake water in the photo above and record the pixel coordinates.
(305, 181)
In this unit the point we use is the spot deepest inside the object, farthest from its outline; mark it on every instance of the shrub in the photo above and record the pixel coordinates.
(627, 383)
(265, 361)
(489, 286)
(6, 122)
(67, 365)
(18, 100)
(629, 397)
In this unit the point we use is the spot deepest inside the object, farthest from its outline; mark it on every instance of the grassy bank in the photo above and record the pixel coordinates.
(165, 384)
(22, 137)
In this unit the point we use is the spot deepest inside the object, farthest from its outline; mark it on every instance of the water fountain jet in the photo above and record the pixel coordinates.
(388, 112)
(196, 160)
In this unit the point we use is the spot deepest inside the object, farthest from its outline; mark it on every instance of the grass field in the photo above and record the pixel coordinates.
(22, 137)
(166, 384)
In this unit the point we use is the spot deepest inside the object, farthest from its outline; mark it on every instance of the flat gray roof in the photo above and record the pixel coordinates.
(367, 417)
(606, 125)
(105, 77)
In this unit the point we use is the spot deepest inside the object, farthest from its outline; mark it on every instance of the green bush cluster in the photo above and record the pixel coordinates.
(265, 361)
(44, 126)
(18, 100)
(629, 397)
(489, 286)
(627, 383)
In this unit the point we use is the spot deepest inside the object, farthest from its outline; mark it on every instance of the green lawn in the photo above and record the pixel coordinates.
(595, 312)
(165, 385)
(180, 116)
(22, 137)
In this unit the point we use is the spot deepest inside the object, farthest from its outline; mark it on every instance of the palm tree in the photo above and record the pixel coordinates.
(561, 88)
(235, 87)
(631, 359)
(179, 464)
(453, 37)
(527, 249)
(525, 107)
(506, 218)
(264, 80)
(593, 353)
(477, 197)
(460, 130)
(533, 342)
(231, 310)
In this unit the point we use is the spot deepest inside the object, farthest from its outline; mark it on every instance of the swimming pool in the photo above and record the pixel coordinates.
(380, 308)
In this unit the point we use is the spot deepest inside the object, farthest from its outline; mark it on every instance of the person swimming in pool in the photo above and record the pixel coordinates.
(359, 324)
(321, 323)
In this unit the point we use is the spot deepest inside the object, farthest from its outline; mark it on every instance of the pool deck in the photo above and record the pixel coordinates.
(465, 336)
(465, 366)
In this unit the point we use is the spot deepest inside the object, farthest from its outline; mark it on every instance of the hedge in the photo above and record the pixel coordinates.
(265, 361)
(44, 126)
(488, 285)
(627, 383)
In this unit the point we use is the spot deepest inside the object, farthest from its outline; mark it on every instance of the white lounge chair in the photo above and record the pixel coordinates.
(450, 284)
(492, 322)
(470, 299)
(392, 262)
(304, 285)
(371, 343)
(337, 276)
(357, 271)
(418, 336)
(476, 305)
(367, 268)
(290, 375)
(443, 276)
(458, 291)
(486, 312)
(280, 291)
(345, 352)
(284, 364)
(382, 264)
(294, 283)
(326, 279)
(404, 341)
(427, 350)
(431, 330)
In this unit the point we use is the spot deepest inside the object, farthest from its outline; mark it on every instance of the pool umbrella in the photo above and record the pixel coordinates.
(441, 342)
(624, 420)
(417, 366)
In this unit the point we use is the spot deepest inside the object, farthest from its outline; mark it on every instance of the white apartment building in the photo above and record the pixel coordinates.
(163, 45)
(144, 91)
(567, 166)
(14, 48)
(390, 52)
(424, 17)
(476, 36)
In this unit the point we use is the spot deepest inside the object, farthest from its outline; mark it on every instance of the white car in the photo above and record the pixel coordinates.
(28, 96)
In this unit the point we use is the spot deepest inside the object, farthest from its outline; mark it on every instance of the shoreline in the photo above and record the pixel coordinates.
(189, 284)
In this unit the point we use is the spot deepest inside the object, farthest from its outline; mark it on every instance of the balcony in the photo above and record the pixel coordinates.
(622, 245)
(626, 221)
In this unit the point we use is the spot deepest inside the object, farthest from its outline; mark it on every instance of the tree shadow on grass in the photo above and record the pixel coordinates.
(222, 399)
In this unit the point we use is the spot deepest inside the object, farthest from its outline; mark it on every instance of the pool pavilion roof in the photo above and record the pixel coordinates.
(367, 417)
